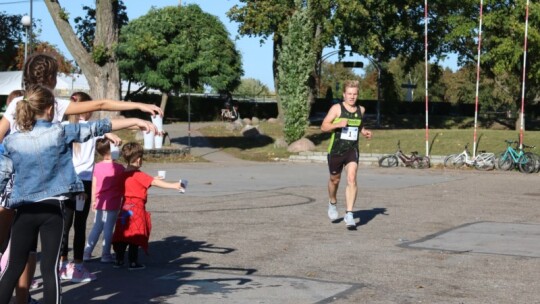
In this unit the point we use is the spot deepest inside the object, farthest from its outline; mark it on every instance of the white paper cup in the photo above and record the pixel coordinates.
(148, 140)
(162, 174)
(115, 151)
(157, 120)
(79, 202)
(158, 141)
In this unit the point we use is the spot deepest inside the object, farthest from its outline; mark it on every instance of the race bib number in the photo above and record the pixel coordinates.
(349, 133)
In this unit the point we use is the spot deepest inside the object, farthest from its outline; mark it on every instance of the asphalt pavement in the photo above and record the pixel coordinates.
(248, 232)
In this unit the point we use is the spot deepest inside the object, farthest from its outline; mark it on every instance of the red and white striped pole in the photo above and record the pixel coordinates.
(426, 71)
(522, 114)
(477, 78)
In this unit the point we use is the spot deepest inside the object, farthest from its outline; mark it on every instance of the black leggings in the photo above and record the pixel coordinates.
(120, 250)
(45, 219)
(77, 219)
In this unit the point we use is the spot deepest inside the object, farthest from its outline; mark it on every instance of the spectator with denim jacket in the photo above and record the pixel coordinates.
(43, 178)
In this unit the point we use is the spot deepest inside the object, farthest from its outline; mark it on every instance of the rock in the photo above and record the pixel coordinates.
(250, 131)
(246, 121)
(301, 145)
(272, 120)
(254, 121)
(280, 143)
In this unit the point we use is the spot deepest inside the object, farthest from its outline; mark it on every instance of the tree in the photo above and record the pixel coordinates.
(502, 44)
(251, 87)
(64, 65)
(173, 47)
(86, 26)
(11, 40)
(100, 65)
(333, 75)
(295, 63)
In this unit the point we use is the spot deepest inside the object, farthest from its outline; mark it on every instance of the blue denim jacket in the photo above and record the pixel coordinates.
(42, 159)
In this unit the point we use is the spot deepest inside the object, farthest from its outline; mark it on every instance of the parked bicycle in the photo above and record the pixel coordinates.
(414, 160)
(483, 161)
(512, 158)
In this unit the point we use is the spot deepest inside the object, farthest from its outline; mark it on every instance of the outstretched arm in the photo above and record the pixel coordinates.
(167, 185)
(111, 105)
(124, 123)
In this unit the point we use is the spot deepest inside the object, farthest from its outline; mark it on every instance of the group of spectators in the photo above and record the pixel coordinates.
(49, 183)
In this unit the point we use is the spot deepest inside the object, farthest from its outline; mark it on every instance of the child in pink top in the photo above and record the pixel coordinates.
(107, 194)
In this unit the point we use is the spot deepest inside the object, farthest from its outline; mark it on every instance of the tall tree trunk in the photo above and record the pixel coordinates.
(101, 73)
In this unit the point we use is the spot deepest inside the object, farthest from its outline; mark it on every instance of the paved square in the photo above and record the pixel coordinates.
(486, 237)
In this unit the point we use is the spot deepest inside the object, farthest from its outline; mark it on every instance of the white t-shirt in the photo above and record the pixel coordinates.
(83, 161)
(60, 108)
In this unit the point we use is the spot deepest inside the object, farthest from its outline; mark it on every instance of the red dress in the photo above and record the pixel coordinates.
(133, 224)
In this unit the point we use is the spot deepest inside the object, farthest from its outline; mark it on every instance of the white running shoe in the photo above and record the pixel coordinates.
(332, 212)
(349, 220)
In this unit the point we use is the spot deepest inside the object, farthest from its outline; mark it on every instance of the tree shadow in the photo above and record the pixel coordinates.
(167, 270)
(239, 142)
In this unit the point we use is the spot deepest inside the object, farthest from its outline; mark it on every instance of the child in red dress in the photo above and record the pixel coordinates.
(133, 224)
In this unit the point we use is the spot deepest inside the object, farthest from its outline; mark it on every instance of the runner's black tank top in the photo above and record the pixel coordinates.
(345, 139)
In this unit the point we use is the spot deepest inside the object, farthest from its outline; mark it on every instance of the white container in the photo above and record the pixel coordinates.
(115, 151)
(79, 200)
(158, 141)
(157, 120)
(148, 140)
(162, 174)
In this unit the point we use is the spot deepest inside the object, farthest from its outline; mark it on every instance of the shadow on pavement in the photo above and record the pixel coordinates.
(166, 271)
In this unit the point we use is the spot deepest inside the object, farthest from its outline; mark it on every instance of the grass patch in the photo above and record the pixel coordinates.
(441, 141)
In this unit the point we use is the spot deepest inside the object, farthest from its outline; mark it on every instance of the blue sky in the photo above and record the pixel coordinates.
(257, 58)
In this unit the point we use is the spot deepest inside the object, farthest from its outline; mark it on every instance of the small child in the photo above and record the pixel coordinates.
(133, 224)
(107, 194)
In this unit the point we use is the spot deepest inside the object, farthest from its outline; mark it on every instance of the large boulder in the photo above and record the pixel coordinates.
(280, 143)
(254, 121)
(250, 131)
(301, 145)
(272, 120)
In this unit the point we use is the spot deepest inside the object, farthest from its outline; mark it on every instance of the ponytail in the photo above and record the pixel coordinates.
(36, 101)
(24, 116)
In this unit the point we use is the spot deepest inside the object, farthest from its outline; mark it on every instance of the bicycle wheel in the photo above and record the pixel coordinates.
(424, 162)
(449, 161)
(505, 162)
(459, 161)
(485, 162)
(527, 163)
(388, 161)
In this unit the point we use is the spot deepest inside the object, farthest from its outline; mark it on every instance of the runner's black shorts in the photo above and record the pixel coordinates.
(336, 162)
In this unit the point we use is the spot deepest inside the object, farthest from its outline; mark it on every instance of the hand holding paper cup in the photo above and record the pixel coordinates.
(157, 120)
(183, 185)
(162, 174)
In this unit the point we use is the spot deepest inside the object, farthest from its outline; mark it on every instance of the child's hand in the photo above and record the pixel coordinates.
(115, 139)
(158, 177)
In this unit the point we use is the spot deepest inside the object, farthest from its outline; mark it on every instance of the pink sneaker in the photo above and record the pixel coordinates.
(66, 271)
(82, 275)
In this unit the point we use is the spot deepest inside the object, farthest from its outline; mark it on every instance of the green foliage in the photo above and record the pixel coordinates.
(11, 38)
(503, 33)
(250, 87)
(172, 47)
(100, 55)
(295, 63)
(64, 15)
